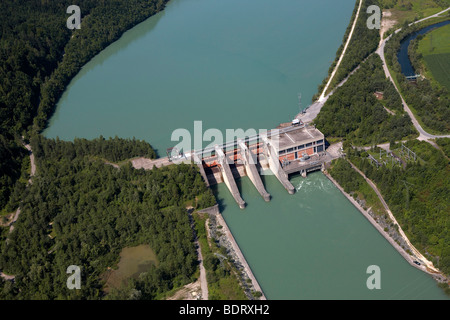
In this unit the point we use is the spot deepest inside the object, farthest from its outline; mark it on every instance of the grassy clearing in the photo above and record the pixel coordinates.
(409, 10)
(439, 65)
(133, 262)
(436, 41)
(435, 50)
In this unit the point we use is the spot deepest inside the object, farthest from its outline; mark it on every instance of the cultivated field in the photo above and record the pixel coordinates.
(435, 49)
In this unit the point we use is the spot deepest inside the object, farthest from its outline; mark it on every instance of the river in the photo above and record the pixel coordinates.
(402, 55)
(241, 64)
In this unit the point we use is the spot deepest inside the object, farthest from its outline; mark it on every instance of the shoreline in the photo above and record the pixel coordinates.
(240, 255)
(410, 259)
(215, 212)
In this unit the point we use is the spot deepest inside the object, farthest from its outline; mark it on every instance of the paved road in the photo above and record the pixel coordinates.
(312, 112)
(423, 135)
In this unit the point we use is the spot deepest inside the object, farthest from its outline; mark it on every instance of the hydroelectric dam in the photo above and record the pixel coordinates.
(289, 149)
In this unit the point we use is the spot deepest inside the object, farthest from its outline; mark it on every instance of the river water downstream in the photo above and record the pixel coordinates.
(241, 64)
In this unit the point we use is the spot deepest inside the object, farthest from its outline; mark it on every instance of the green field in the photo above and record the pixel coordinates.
(436, 41)
(435, 49)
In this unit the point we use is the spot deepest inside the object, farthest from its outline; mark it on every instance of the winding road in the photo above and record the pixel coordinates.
(314, 109)
(423, 135)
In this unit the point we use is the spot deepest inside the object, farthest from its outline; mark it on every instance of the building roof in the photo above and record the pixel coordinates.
(296, 137)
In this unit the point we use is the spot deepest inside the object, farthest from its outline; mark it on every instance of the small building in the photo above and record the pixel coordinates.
(379, 95)
(299, 144)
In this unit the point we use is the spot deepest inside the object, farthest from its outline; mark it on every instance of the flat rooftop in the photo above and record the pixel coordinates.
(297, 137)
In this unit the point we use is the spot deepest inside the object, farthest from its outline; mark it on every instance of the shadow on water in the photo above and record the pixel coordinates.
(294, 175)
(220, 201)
(262, 176)
(158, 155)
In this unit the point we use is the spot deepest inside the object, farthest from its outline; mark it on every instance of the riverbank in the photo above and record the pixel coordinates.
(226, 239)
(410, 259)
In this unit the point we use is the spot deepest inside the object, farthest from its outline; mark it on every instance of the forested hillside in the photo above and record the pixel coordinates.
(418, 197)
(81, 211)
(39, 56)
(354, 113)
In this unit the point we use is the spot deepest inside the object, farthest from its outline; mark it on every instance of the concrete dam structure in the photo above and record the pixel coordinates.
(293, 149)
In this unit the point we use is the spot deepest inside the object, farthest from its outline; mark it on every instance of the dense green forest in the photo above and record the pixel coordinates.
(112, 149)
(353, 112)
(444, 144)
(355, 185)
(39, 55)
(418, 197)
(430, 103)
(80, 211)
(12, 157)
(364, 41)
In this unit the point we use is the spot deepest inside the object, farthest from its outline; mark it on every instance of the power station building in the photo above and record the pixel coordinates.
(298, 144)
(297, 148)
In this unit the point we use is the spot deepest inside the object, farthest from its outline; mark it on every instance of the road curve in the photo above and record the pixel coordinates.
(423, 135)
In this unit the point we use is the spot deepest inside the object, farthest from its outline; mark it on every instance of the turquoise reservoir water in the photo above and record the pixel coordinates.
(240, 64)
(316, 245)
(231, 64)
